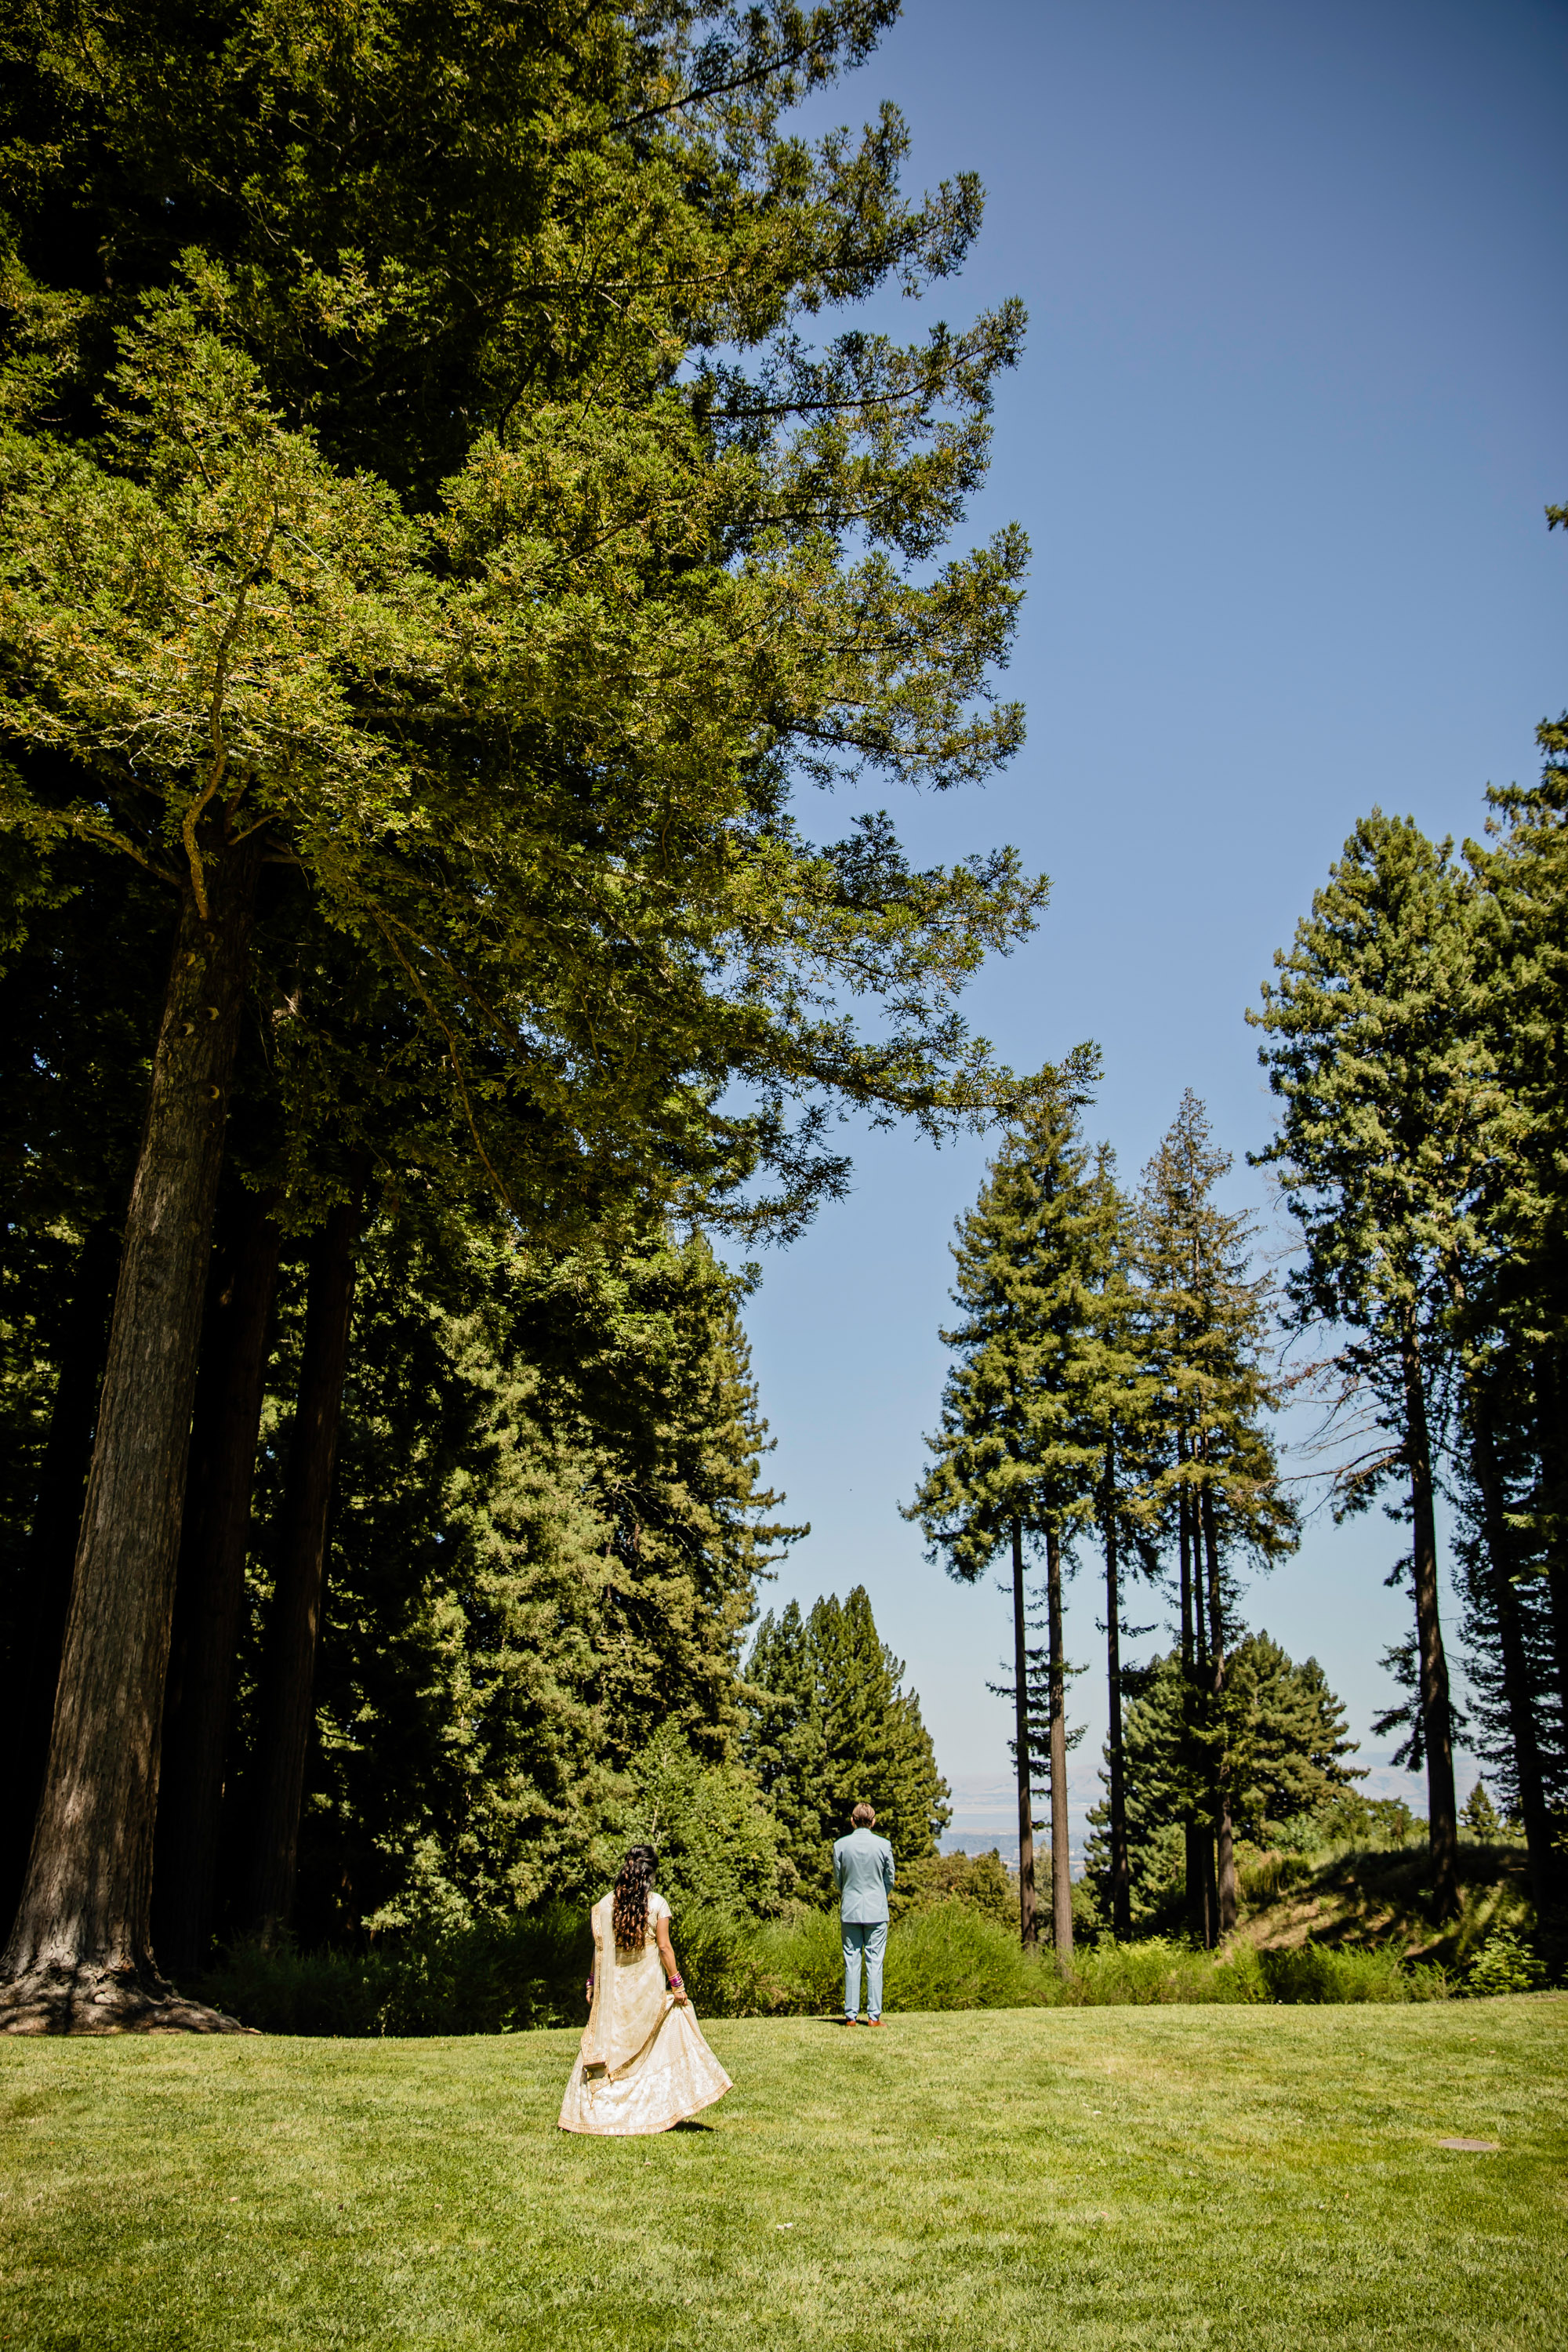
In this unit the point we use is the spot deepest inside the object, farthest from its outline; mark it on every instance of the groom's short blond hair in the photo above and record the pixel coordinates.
(864, 1817)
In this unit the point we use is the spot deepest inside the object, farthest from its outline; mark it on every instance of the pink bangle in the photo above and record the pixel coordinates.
(677, 1979)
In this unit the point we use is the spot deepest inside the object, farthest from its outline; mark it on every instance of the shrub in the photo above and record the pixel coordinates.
(1159, 1968)
(720, 1844)
(1315, 1972)
(950, 1956)
(505, 1975)
(1505, 1964)
(494, 1977)
(983, 1881)
(1267, 1876)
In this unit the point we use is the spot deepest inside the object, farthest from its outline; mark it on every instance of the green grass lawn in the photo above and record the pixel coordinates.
(1256, 2178)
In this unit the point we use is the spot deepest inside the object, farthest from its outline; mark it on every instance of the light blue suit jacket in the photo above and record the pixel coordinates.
(863, 1873)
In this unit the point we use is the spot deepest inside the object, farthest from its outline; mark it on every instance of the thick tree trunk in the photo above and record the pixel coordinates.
(1061, 1857)
(1517, 1694)
(289, 1676)
(1225, 1890)
(1026, 1928)
(1121, 1869)
(210, 1592)
(79, 1957)
(1437, 1719)
(51, 1549)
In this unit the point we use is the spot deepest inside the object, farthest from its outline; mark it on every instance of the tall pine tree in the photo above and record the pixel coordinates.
(1388, 1102)
(1214, 1476)
(1015, 1461)
(831, 1725)
(361, 525)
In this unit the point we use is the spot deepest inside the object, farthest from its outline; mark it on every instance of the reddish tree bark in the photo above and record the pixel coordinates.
(52, 1548)
(210, 1592)
(288, 1675)
(80, 1956)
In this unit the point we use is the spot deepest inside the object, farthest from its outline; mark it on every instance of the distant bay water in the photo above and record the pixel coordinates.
(985, 1807)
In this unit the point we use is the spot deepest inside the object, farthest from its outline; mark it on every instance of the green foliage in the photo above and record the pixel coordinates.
(1213, 1467)
(981, 1881)
(501, 1976)
(1389, 1106)
(1505, 1963)
(948, 1957)
(492, 1975)
(831, 1726)
(1263, 1879)
(1157, 1969)
(359, 502)
(719, 1845)
(1015, 1444)
(1392, 1115)
(1480, 1815)
(1282, 1738)
(1345, 1817)
(549, 1526)
(1320, 1972)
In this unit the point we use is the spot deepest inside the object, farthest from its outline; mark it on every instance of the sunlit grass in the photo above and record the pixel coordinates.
(1249, 2177)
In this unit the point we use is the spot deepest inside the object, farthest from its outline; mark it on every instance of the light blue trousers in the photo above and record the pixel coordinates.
(868, 1936)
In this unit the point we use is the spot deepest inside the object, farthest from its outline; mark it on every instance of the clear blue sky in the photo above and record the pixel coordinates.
(1291, 409)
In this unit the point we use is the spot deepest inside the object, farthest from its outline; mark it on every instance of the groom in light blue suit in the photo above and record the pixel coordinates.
(863, 1873)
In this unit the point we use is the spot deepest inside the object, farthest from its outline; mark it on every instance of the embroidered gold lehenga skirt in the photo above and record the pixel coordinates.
(644, 2064)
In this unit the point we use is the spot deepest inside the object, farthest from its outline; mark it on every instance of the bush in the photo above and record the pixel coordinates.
(1159, 1968)
(1265, 1877)
(506, 1976)
(1347, 1818)
(1505, 1964)
(1315, 1972)
(950, 1956)
(720, 1844)
(494, 1977)
(983, 1881)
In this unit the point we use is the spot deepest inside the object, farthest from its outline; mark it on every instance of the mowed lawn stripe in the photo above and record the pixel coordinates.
(1210, 2176)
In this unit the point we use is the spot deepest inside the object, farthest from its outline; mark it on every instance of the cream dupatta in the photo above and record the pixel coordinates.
(643, 2063)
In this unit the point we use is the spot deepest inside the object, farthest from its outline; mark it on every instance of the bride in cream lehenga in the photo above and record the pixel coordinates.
(644, 2065)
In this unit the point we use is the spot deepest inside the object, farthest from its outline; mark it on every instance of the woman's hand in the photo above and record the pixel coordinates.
(589, 1992)
(666, 1954)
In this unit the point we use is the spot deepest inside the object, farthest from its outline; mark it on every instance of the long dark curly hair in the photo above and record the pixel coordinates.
(628, 1910)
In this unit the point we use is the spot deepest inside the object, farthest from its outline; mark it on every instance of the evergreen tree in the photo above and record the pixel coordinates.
(1015, 1461)
(491, 620)
(1389, 1102)
(720, 1844)
(1214, 1475)
(496, 1666)
(1513, 1318)
(1119, 1397)
(785, 1743)
(1481, 1816)
(832, 1725)
(1285, 1737)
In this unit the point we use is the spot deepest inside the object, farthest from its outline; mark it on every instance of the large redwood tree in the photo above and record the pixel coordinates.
(376, 511)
